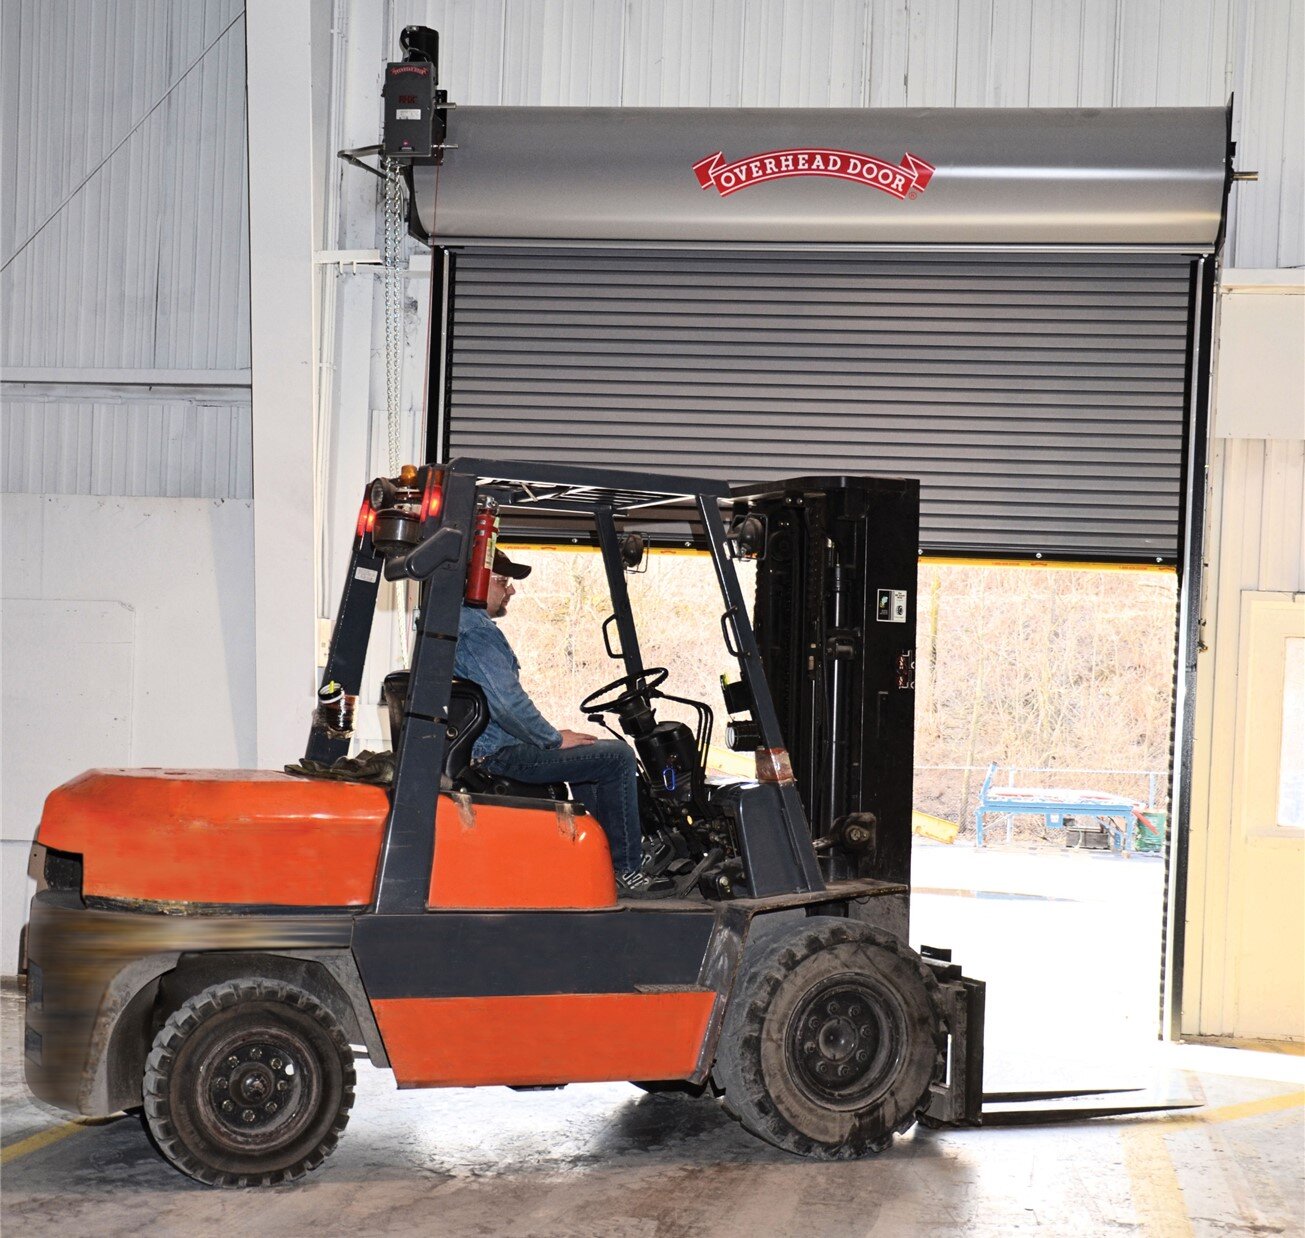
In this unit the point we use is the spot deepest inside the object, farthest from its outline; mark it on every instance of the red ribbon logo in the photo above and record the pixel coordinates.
(912, 176)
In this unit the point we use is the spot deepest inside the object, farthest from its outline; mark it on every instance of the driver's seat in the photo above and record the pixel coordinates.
(468, 717)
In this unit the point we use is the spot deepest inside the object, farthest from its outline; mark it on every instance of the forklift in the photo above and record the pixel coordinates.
(214, 947)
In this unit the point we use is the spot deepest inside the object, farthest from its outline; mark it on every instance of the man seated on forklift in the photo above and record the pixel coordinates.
(519, 742)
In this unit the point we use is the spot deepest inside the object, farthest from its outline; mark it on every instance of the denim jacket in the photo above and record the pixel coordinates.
(485, 656)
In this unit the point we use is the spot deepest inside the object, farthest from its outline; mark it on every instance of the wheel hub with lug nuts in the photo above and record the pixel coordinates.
(252, 1086)
(841, 1047)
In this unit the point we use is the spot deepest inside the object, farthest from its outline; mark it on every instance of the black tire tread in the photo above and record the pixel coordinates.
(775, 955)
(182, 1023)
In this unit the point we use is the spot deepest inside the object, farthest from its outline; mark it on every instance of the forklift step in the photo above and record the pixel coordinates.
(670, 988)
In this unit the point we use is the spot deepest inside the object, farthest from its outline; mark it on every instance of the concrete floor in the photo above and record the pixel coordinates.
(1069, 945)
(1071, 1002)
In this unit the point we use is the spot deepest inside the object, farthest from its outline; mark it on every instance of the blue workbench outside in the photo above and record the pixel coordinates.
(1055, 804)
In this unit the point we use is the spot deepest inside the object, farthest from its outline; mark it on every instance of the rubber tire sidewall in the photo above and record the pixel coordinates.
(783, 965)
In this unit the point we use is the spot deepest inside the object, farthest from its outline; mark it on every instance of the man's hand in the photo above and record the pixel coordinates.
(576, 739)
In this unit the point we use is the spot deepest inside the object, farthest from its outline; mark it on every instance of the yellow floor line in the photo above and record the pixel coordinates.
(42, 1139)
(1243, 1109)
(1157, 1195)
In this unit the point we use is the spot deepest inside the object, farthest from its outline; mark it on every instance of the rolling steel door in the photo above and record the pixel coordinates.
(1039, 397)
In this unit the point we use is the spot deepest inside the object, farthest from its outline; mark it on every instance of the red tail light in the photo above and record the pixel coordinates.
(366, 517)
(433, 499)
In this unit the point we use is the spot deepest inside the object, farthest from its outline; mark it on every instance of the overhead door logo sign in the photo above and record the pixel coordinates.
(905, 180)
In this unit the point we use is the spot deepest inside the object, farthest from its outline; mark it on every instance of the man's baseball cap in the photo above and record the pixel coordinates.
(503, 566)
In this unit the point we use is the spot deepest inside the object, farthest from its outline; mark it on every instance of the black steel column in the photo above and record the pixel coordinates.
(403, 880)
(439, 356)
(1178, 836)
(610, 545)
(804, 870)
(349, 637)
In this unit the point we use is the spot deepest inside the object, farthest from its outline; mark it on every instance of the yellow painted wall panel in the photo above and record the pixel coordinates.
(1244, 960)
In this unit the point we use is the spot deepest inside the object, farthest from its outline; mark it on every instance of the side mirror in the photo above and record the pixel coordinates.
(747, 536)
(633, 548)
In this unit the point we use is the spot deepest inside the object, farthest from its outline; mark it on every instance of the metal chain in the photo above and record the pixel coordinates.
(392, 243)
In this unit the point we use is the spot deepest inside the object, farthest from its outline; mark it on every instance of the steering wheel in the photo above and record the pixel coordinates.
(636, 688)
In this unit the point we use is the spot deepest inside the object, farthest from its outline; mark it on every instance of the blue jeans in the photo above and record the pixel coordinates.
(602, 776)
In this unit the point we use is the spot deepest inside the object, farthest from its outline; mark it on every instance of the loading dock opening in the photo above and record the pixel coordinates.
(1030, 334)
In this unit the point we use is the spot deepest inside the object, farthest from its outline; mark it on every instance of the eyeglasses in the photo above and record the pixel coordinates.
(504, 581)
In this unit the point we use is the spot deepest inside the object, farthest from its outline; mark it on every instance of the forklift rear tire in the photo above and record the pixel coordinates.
(249, 1083)
(832, 1039)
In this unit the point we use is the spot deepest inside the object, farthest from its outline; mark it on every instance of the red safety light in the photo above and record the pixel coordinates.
(433, 499)
(366, 517)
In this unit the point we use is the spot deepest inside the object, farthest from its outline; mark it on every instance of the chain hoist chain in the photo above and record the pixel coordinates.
(392, 242)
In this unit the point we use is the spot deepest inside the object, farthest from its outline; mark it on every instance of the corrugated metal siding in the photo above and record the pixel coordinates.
(910, 53)
(1267, 221)
(189, 447)
(1039, 399)
(124, 244)
(126, 231)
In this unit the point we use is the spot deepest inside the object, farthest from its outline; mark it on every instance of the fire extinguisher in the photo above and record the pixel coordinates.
(484, 539)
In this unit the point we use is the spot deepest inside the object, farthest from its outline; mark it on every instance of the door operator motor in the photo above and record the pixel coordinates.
(416, 119)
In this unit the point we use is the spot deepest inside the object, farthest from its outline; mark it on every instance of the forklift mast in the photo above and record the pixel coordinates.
(835, 622)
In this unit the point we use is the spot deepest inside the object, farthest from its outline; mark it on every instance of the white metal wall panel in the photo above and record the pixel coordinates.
(567, 55)
(1267, 227)
(671, 56)
(124, 246)
(188, 447)
(799, 55)
(911, 53)
(126, 235)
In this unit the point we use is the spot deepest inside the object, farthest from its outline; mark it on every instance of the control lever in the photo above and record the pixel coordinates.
(425, 559)
(690, 879)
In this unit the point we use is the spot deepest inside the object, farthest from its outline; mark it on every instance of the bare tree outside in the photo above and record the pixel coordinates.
(1047, 671)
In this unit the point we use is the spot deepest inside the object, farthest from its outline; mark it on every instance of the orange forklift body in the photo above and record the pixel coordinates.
(544, 1038)
(258, 838)
(219, 836)
(188, 839)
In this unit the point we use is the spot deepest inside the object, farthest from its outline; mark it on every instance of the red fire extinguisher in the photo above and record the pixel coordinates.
(481, 564)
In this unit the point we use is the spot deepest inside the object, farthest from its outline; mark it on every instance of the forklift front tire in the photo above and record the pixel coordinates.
(831, 1041)
(249, 1083)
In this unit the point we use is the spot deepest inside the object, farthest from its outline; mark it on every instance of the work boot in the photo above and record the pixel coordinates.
(636, 884)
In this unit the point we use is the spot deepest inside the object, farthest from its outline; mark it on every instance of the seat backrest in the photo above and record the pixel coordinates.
(394, 692)
(468, 717)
